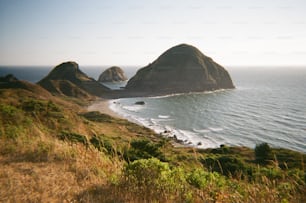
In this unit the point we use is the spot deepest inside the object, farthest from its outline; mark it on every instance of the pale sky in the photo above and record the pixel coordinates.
(136, 32)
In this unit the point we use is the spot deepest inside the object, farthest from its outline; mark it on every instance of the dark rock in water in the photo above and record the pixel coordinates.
(180, 69)
(67, 79)
(140, 103)
(112, 74)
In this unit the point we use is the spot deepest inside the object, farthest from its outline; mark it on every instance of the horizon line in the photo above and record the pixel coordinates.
(138, 65)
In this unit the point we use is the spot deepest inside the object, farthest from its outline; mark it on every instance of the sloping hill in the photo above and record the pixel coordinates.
(67, 79)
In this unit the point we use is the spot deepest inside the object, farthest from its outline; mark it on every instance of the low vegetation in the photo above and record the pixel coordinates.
(51, 150)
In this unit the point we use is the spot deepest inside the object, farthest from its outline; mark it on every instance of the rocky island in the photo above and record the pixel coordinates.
(112, 74)
(182, 68)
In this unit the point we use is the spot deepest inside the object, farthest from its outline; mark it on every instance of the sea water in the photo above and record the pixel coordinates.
(267, 105)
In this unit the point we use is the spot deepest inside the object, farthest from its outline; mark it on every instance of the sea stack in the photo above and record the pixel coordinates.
(67, 79)
(112, 74)
(182, 68)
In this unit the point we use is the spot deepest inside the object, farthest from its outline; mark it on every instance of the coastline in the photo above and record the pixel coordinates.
(103, 106)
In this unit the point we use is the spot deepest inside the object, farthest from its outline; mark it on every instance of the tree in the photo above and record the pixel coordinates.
(263, 153)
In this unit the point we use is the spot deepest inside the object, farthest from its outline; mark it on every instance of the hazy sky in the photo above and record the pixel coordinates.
(136, 32)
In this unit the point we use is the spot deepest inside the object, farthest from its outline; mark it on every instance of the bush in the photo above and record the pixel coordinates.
(10, 114)
(152, 180)
(202, 179)
(102, 144)
(263, 153)
(97, 117)
(33, 105)
(226, 164)
(73, 137)
(12, 131)
(143, 149)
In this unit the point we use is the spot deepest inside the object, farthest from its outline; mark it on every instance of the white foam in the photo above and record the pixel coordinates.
(201, 130)
(133, 108)
(188, 93)
(215, 129)
(163, 116)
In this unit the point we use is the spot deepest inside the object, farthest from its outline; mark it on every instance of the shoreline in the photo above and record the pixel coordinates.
(103, 106)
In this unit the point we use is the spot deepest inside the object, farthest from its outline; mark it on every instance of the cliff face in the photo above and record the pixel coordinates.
(180, 69)
(67, 79)
(112, 74)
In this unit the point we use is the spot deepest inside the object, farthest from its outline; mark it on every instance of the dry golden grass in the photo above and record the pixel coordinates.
(58, 174)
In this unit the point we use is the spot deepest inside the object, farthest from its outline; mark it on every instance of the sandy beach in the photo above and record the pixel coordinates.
(103, 107)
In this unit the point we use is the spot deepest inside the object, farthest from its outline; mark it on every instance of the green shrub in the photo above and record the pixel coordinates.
(226, 164)
(202, 179)
(152, 180)
(72, 137)
(97, 117)
(33, 105)
(223, 149)
(263, 153)
(143, 149)
(271, 173)
(102, 144)
(12, 131)
(40, 106)
(10, 114)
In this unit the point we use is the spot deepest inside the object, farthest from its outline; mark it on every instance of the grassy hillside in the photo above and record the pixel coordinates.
(53, 150)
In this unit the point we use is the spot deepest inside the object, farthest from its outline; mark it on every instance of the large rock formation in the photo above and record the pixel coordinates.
(67, 79)
(180, 69)
(112, 74)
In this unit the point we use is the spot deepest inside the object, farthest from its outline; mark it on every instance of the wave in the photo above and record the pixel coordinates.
(201, 130)
(133, 108)
(216, 129)
(163, 116)
(188, 93)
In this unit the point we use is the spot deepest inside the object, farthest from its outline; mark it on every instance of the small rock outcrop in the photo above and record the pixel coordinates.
(112, 74)
(67, 79)
(140, 103)
(180, 69)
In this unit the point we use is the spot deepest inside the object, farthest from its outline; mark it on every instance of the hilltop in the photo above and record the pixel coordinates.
(67, 79)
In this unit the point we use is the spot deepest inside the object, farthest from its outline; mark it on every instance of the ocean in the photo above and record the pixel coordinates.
(267, 105)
